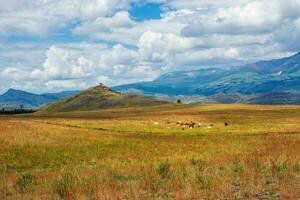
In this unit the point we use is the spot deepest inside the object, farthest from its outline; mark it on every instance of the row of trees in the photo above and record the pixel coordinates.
(16, 111)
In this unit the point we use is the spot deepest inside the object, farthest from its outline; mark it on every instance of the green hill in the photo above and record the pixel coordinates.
(100, 97)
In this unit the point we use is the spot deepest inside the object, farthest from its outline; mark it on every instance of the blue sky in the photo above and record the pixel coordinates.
(148, 11)
(74, 44)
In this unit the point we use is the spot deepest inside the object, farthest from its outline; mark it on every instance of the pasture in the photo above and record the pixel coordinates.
(143, 154)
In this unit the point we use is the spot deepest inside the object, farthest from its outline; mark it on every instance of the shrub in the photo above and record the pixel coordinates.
(296, 167)
(201, 164)
(66, 182)
(204, 181)
(164, 169)
(237, 167)
(280, 167)
(260, 167)
(24, 181)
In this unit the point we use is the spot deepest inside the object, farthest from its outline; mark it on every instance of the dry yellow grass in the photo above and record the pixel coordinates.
(136, 154)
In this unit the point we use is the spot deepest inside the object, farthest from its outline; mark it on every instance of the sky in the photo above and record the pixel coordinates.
(57, 45)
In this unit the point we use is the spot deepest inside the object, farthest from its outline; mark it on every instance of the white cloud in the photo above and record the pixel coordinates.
(256, 17)
(108, 28)
(65, 84)
(40, 17)
(78, 65)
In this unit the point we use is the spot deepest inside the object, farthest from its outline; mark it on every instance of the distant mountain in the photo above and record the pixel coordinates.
(25, 98)
(276, 99)
(100, 97)
(60, 95)
(279, 66)
(15, 98)
(274, 76)
(260, 99)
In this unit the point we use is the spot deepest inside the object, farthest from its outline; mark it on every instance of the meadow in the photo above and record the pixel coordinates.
(142, 153)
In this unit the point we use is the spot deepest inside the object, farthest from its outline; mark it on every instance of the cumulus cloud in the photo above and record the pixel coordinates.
(79, 65)
(256, 17)
(108, 28)
(40, 17)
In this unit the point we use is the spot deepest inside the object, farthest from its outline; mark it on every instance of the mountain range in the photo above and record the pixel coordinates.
(266, 82)
(274, 76)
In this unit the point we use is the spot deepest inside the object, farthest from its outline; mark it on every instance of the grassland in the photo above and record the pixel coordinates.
(137, 154)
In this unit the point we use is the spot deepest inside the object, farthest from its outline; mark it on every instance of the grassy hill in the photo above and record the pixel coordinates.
(100, 97)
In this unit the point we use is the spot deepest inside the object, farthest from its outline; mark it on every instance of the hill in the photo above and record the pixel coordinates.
(100, 97)
(15, 98)
(274, 76)
(18, 97)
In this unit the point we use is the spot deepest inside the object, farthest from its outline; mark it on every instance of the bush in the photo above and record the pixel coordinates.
(280, 167)
(65, 184)
(200, 164)
(237, 167)
(24, 181)
(296, 167)
(164, 169)
(203, 181)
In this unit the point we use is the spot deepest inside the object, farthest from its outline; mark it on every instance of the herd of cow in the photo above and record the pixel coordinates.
(192, 124)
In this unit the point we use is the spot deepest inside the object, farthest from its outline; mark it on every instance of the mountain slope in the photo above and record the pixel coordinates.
(259, 99)
(283, 65)
(60, 95)
(276, 99)
(18, 97)
(100, 97)
(15, 98)
(274, 76)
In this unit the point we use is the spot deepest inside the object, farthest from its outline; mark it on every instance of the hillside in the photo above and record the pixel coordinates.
(283, 65)
(259, 99)
(18, 97)
(275, 99)
(274, 76)
(14, 98)
(100, 97)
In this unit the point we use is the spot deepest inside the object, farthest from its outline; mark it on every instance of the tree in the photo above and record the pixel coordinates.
(179, 101)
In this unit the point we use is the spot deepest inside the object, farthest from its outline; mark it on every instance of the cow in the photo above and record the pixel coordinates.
(155, 123)
(179, 123)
